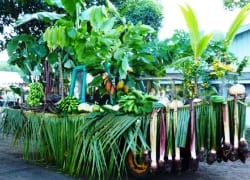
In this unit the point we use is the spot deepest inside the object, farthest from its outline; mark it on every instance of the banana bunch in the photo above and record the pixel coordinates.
(136, 102)
(56, 36)
(35, 95)
(68, 105)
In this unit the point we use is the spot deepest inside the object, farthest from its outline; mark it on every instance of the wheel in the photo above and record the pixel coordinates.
(137, 166)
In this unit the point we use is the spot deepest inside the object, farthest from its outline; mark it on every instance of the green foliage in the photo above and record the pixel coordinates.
(10, 12)
(27, 53)
(136, 102)
(68, 105)
(233, 4)
(35, 95)
(148, 12)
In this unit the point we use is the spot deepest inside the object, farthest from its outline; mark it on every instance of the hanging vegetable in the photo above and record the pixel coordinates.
(169, 120)
(175, 104)
(243, 145)
(235, 91)
(194, 161)
(162, 138)
(153, 139)
(211, 157)
(226, 147)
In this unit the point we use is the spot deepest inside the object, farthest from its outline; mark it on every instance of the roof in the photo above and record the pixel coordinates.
(243, 29)
(8, 78)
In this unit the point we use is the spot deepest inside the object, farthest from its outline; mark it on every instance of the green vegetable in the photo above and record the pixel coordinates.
(68, 105)
(35, 95)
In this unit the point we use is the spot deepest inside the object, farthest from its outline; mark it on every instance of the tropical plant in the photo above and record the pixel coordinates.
(149, 12)
(233, 4)
(27, 54)
(11, 10)
(192, 65)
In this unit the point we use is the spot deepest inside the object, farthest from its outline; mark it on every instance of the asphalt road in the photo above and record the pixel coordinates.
(13, 167)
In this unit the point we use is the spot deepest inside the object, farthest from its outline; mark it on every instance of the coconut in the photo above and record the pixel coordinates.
(175, 103)
(85, 107)
(237, 89)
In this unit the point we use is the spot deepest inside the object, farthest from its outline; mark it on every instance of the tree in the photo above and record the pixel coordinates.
(147, 11)
(232, 4)
(12, 9)
(150, 14)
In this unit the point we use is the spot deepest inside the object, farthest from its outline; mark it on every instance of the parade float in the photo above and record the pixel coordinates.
(132, 117)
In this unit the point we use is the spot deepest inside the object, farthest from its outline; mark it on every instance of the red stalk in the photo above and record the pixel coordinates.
(162, 139)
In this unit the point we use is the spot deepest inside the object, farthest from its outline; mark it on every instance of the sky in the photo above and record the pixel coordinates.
(210, 14)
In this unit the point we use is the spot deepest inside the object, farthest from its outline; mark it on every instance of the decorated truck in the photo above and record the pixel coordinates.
(102, 105)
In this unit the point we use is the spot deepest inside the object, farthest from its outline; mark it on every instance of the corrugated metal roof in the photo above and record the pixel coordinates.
(8, 78)
(243, 29)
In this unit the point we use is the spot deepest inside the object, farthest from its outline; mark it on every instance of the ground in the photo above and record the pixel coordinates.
(13, 167)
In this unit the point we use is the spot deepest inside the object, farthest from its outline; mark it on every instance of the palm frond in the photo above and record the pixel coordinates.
(192, 25)
(238, 21)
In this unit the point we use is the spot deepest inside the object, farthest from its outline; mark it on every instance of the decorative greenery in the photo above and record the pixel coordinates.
(59, 140)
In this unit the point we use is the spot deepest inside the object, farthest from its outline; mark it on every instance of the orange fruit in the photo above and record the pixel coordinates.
(120, 85)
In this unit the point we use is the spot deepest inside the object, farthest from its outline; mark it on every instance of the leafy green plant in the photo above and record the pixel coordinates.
(68, 105)
(35, 95)
(199, 43)
(136, 102)
(146, 11)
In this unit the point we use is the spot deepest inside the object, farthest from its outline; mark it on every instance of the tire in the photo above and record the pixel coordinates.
(136, 166)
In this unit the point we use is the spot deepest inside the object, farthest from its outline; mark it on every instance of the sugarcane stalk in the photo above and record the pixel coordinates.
(243, 145)
(153, 139)
(234, 153)
(162, 138)
(193, 138)
(211, 157)
(202, 131)
(169, 163)
(227, 145)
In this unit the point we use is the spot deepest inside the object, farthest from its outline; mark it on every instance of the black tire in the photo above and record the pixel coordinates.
(137, 166)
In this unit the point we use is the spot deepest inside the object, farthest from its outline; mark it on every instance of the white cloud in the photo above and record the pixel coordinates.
(210, 14)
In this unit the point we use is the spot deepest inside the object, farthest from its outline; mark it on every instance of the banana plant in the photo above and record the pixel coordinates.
(236, 24)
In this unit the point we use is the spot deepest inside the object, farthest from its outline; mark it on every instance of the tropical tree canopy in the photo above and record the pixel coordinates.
(232, 4)
(12, 9)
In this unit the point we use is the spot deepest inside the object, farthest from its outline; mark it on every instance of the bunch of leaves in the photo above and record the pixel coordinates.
(136, 102)
(10, 12)
(36, 94)
(147, 11)
(68, 105)
(28, 54)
